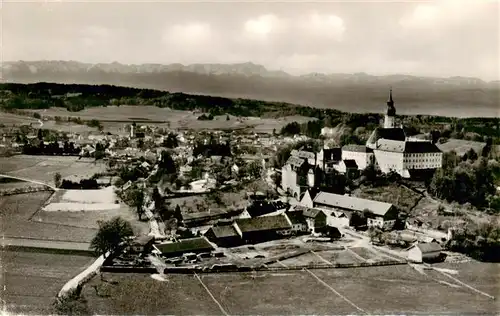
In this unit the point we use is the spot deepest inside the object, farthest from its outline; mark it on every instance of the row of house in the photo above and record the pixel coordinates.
(265, 228)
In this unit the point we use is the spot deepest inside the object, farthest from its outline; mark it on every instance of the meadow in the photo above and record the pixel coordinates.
(17, 212)
(30, 281)
(373, 290)
(114, 118)
(43, 168)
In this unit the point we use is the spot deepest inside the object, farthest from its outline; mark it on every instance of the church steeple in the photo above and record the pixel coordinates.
(390, 116)
(391, 110)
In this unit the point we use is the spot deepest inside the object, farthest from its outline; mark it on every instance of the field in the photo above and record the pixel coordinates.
(30, 281)
(16, 212)
(374, 290)
(398, 195)
(461, 146)
(115, 117)
(43, 168)
(9, 119)
(74, 217)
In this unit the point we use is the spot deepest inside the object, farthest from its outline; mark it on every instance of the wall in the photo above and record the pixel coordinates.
(388, 161)
(423, 160)
(362, 158)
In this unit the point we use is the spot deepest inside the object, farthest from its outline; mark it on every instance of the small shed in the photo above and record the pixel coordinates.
(425, 252)
(194, 245)
(142, 244)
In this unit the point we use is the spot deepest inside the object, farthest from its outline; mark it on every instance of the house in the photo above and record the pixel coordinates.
(260, 229)
(142, 244)
(224, 235)
(315, 218)
(349, 167)
(426, 252)
(298, 222)
(308, 197)
(361, 154)
(332, 232)
(381, 214)
(190, 245)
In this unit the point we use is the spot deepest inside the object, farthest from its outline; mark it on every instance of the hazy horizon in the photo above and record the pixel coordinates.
(443, 38)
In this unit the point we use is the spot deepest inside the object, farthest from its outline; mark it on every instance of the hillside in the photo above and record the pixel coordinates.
(456, 96)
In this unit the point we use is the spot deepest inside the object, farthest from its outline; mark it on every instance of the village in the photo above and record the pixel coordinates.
(150, 200)
(218, 198)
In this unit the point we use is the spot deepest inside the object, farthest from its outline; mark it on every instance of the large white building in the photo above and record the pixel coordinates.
(393, 151)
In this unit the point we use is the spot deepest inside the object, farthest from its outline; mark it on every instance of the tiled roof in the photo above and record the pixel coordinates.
(397, 134)
(391, 145)
(429, 247)
(350, 163)
(222, 231)
(295, 161)
(357, 148)
(312, 212)
(302, 154)
(263, 223)
(186, 245)
(407, 147)
(352, 203)
(421, 147)
(296, 218)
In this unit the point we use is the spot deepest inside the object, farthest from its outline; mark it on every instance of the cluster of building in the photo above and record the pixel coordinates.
(388, 149)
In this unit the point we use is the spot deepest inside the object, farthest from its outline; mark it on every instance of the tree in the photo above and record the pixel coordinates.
(57, 179)
(136, 198)
(358, 220)
(72, 304)
(254, 169)
(111, 235)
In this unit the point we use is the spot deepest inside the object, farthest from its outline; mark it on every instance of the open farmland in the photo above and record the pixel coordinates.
(83, 208)
(30, 280)
(43, 168)
(9, 119)
(318, 291)
(16, 220)
(114, 117)
(461, 146)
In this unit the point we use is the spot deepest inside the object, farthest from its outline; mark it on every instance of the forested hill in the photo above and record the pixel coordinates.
(76, 97)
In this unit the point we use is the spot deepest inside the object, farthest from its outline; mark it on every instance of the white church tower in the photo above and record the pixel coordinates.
(390, 116)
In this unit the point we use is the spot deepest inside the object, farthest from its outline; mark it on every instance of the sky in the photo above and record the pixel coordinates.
(430, 38)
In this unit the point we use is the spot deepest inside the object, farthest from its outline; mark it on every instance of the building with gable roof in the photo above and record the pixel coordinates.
(381, 214)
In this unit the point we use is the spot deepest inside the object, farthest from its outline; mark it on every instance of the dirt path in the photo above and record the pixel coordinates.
(28, 180)
(46, 244)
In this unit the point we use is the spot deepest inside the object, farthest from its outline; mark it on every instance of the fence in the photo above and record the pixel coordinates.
(128, 269)
(29, 189)
(190, 270)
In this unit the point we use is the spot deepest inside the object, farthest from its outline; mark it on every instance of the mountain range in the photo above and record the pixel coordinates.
(358, 92)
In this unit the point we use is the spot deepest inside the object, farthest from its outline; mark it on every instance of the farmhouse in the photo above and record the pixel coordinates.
(315, 218)
(190, 245)
(381, 214)
(224, 235)
(260, 229)
(298, 221)
(142, 244)
(425, 252)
